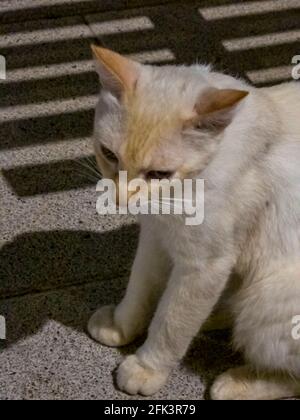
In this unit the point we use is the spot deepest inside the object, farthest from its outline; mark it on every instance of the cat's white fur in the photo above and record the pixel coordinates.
(251, 227)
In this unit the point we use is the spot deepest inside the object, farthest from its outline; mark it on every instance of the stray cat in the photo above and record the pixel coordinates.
(191, 122)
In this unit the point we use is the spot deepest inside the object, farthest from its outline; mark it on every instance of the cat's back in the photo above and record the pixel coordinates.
(283, 159)
(286, 101)
(282, 165)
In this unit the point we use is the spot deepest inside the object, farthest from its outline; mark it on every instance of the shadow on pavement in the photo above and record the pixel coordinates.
(62, 275)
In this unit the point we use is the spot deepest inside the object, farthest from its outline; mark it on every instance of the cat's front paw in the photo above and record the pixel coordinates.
(135, 378)
(102, 328)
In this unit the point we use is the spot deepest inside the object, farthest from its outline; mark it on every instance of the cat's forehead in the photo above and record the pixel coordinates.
(148, 128)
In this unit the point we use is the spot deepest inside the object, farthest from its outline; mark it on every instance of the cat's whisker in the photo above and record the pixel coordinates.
(94, 171)
(88, 172)
(92, 162)
(160, 204)
(88, 176)
(179, 202)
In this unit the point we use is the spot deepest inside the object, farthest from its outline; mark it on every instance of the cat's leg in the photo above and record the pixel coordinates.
(222, 316)
(264, 311)
(190, 297)
(244, 383)
(119, 325)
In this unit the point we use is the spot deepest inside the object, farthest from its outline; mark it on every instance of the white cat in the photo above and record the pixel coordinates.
(190, 122)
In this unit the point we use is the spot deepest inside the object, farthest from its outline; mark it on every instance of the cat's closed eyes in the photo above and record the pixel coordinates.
(187, 123)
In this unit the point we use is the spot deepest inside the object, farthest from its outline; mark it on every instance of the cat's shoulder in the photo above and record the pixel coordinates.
(283, 90)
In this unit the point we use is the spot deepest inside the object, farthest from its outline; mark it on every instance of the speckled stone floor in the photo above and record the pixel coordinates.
(59, 260)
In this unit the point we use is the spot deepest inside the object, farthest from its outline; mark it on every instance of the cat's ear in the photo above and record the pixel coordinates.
(117, 74)
(215, 106)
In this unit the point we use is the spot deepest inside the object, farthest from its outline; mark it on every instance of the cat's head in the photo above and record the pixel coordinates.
(158, 122)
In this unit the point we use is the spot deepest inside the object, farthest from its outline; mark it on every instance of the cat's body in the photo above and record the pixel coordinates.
(249, 157)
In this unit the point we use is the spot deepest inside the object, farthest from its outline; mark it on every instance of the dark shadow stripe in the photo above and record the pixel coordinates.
(57, 52)
(48, 178)
(64, 52)
(272, 83)
(49, 89)
(256, 24)
(264, 57)
(42, 130)
(41, 261)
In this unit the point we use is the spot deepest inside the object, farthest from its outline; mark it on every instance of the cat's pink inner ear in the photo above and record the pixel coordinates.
(117, 73)
(214, 100)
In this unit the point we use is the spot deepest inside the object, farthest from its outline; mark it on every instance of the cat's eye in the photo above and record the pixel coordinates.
(159, 175)
(109, 155)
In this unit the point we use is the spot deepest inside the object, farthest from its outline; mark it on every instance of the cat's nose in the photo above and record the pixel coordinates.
(123, 194)
(117, 199)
